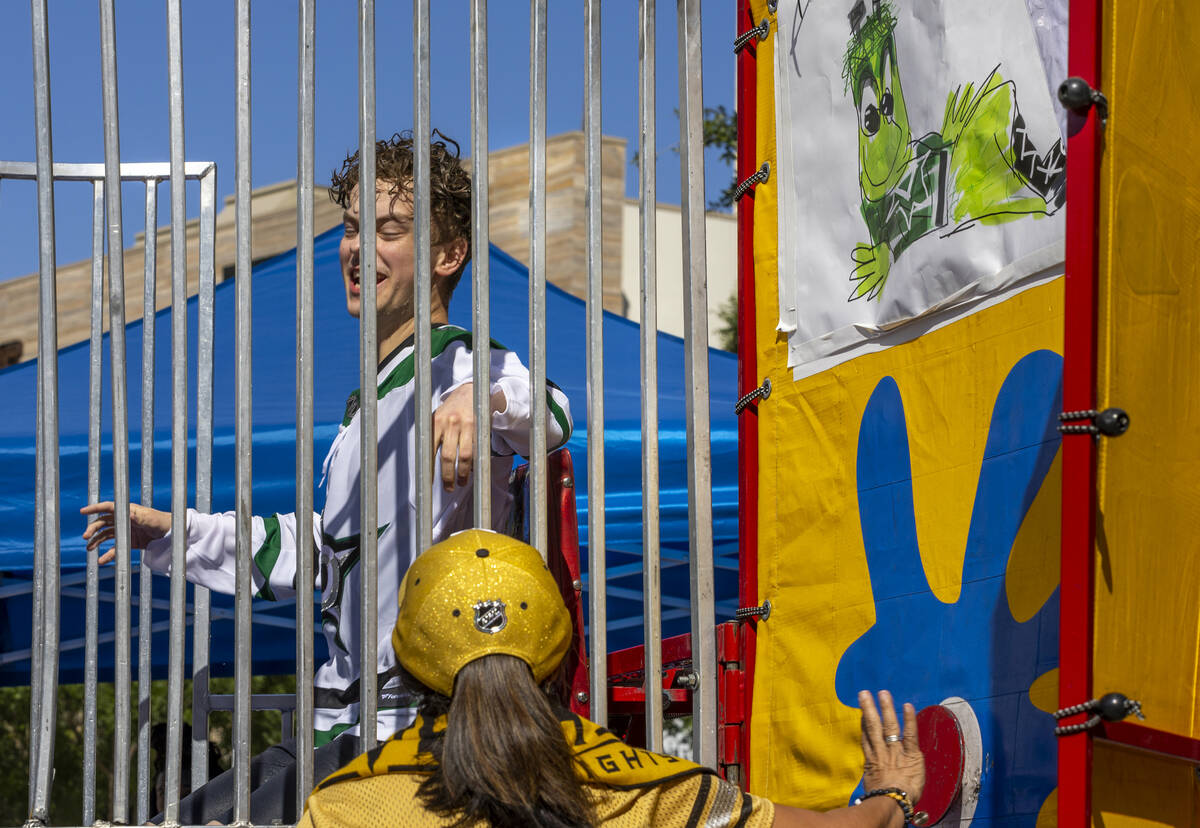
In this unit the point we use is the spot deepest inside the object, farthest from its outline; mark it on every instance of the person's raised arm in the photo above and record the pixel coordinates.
(211, 546)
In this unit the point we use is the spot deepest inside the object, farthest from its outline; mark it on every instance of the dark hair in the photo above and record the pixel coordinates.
(502, 759)
(449, 187)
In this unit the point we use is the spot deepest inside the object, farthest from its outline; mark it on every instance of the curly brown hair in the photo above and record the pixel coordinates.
(449, 186)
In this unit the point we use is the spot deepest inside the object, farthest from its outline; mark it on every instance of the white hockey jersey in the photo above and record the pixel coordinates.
(211, 538)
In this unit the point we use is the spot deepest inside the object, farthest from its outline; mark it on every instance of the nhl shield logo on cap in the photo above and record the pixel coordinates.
(490, 617)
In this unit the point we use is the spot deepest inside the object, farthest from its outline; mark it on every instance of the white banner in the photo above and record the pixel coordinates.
(920, 166)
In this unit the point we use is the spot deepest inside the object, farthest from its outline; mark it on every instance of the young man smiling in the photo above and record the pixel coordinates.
(211, 558)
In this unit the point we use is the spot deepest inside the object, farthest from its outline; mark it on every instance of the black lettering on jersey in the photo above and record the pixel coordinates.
(608, 763)
(631, 758)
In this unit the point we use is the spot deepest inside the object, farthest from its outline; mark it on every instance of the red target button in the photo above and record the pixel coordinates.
(942, 743)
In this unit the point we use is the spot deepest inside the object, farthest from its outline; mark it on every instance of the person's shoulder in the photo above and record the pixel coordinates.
(386, 799)
(701, 798)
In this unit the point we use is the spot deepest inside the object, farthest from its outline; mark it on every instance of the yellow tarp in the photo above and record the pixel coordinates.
(1147, 618)
(811, 559)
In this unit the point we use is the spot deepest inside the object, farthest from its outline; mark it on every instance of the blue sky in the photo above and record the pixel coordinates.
(208, 53)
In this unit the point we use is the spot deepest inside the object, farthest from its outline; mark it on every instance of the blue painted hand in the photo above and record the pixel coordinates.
(925, 650)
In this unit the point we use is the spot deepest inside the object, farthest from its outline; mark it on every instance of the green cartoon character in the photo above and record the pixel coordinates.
(980, 168)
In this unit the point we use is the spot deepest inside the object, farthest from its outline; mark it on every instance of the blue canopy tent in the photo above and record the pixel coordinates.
(274, 473)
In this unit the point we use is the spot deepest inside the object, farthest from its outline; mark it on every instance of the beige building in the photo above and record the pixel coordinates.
(274, 231)
(720, 244)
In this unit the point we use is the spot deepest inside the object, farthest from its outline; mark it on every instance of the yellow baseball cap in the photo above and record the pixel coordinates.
(479, 593)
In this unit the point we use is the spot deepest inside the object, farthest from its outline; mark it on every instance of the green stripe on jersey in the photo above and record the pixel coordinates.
(442, 337)
(560, 417)
(324, 737)
(267, 555)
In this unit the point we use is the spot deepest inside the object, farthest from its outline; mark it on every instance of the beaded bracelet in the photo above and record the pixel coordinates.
(901, 799)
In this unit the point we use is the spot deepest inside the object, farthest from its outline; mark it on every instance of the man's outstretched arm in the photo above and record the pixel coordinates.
(211, 546)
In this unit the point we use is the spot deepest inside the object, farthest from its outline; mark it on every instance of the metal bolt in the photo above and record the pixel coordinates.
(582, 697)
(577, 584)
(1075, 93)
(689, 680)
(567, 482)
(1112, 422)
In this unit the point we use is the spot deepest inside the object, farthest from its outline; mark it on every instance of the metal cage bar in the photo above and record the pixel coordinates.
(46, 610)
(179, 402)
(243, 435)
(369, 356)
(593, 199)
(201, 601)
(305, 170)
(92, 601)
(149, 174)
(699, 446)
(145, 593)
(538, 38)
(648, 247)
(422, 276)
(120, 420)
(480, 271)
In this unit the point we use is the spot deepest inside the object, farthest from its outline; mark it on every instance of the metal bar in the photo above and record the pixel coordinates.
(201, 603)
(369, 357)
(423, 347)
(120, 418)
(306, 94)
(91, 655)
(37, 647)
(695, 336)
(593, 200)
(179, 403)
(651, 567)
(45, 693)
(243, 435)
(538, 467)
(481, 314)
(282, 702)
(1080, 290)
(24, 170)
(149, 305)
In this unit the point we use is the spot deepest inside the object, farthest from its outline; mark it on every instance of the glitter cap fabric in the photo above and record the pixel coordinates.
(479, 593)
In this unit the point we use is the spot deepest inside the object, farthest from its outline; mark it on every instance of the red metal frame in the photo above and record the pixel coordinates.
(1148, 738)
(747, 381)
(1079, 457)
(627, 698)
(563, 560)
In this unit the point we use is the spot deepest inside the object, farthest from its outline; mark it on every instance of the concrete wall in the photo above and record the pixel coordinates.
(720, 235)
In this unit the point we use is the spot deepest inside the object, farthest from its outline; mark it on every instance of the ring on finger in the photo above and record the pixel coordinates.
(894, 737)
